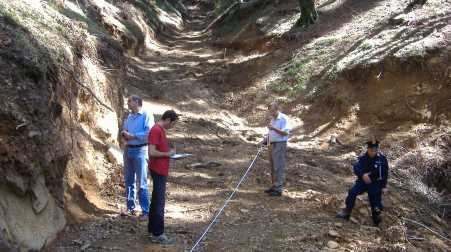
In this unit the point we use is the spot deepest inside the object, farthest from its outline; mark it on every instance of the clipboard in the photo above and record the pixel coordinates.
(180, 156)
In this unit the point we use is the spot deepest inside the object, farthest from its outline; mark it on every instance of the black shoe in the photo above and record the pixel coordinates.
(162, 239)
(344, 214)
(269, 190)
(376, 217)
(275, 193)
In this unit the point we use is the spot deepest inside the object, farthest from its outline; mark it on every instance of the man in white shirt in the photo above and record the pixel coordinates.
(276, 140)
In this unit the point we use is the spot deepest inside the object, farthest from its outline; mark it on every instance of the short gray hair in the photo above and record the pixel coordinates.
(274, 104)
(137, 99)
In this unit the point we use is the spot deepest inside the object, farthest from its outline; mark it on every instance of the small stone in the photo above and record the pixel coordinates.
(85, 246)
(40, 195)
(332, 245)
(115, 156)
(260, 21)
(399, 20)
(354, 220)
(244, 210)
(77, 242)
(33, 133)
(333, 233)
(438, 219)
(197, 165)
(338, 224)
(251, 138)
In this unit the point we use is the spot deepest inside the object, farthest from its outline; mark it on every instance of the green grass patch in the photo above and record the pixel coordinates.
(168, 7)
(233, 25)
(366, 46)
(326, 41)
(332, 74)
(33, 59)
(93, 26)
(147, 6)
(149, 12)
(134, 29)
(43, 25)
(297, 76)
(14, 16)
(10, 16)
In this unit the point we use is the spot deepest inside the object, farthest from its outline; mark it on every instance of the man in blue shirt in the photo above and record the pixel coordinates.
(276, 140)
(371, 171)
(135, 134)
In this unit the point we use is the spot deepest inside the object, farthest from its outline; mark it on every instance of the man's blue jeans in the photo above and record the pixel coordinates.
(156, 217)
(135, 171)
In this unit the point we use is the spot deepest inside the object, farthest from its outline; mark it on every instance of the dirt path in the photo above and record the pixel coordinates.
(180, 74)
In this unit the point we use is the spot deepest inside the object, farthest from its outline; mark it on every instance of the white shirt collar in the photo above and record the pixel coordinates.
(279, 116)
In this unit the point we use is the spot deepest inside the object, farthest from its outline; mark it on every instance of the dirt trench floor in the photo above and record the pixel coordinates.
(178, 75)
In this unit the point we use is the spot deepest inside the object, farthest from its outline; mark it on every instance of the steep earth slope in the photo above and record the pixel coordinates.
(384, 70)
(62, 71)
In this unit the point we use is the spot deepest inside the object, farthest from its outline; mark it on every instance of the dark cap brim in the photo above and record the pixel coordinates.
(371, 144)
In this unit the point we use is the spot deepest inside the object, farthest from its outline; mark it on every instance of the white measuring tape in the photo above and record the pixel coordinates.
(226, 202)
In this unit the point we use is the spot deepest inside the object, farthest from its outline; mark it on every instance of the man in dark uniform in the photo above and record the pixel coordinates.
(372, 174)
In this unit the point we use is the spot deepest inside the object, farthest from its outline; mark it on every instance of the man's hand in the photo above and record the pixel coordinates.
(127, 136)
(384, 191)
(366, 178)
(171, 152)
(270, 127)
(278, 131)
(263, 142)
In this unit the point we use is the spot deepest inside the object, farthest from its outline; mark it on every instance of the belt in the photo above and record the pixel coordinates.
(278, 142)
(136, 146)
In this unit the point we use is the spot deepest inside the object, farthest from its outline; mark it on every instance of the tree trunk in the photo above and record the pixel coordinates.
(308, 13)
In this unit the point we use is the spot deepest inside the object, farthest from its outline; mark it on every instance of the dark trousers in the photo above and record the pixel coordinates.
(374, 195)
(156, 215)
